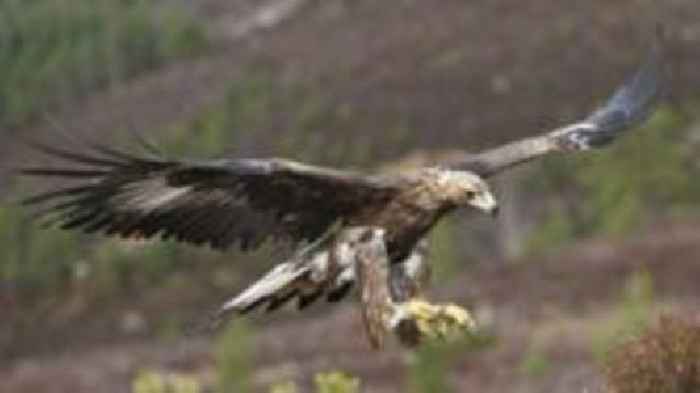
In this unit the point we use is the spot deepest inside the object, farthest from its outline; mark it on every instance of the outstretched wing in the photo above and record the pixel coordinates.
(629, 106)
(220, 203)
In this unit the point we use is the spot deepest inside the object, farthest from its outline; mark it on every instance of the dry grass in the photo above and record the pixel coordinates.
(664, 360)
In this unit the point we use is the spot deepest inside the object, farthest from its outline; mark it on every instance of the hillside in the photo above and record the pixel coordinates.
(448, 76)
(359, 83)
(570, 310)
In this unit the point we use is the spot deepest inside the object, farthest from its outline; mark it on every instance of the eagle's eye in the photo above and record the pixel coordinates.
(471, 195)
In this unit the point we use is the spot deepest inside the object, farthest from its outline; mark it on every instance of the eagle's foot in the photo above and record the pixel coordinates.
(416, 320)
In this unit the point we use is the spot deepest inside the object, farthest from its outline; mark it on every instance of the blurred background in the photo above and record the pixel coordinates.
(589, 253)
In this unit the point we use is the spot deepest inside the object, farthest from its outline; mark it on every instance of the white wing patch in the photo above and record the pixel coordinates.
(147, 195)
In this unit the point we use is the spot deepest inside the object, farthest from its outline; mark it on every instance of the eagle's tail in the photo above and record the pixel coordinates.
(318, 270)
(307, 281)
(279, 285)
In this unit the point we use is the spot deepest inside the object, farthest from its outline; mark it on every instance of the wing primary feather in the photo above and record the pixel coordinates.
(71, 156)
(219, 202)
(131, 159)
(631, 104)
(51, 172)
(86, 201)
(80, 220)
(60, 193)
(147, 145)
(99, 224)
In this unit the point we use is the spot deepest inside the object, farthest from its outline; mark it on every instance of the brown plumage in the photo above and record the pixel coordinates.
(245, 202)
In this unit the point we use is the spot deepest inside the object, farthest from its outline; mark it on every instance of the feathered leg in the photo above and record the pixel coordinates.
(372, 270)
(390, 294)
(390, 297)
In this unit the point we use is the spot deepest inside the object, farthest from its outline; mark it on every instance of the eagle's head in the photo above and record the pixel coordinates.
(466, 189)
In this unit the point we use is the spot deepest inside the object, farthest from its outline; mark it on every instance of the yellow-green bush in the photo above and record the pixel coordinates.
(284, 387)
(234, 358)
(430, 367)
(331, 382)
(154, 382)
(336, 382)
(631, 317)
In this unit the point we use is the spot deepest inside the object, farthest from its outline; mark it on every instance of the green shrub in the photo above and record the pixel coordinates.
(535, 363)
(284, 387)
(31, 260)
(40, 261)
(116, 266)
(614, 190)
(51, 50)
(234, 358)
(666, 359)
(433, 360)
(306, 124)
(336, 382)
(250, 106)
(631, 317)
(332, 382)
(430, 368)
(154, 382)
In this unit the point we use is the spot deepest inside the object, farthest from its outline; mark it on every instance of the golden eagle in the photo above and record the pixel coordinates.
(349, 226)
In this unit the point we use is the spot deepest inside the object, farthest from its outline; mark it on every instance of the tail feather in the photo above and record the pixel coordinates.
(279, 301)
(339, 292)
(307, 299)
(281, 279)
(313, 273)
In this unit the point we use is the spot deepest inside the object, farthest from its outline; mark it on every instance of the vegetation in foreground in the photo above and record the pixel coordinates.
(663, 358)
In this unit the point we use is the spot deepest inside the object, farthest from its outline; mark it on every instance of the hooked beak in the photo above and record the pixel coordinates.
(486, 203)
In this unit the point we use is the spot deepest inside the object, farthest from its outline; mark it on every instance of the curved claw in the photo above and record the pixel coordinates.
(416, 320)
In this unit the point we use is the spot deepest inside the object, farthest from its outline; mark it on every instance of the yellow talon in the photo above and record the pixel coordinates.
(442, 321)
